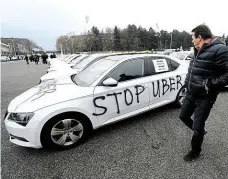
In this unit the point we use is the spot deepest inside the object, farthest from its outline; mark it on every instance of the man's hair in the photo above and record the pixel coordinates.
(202, 30)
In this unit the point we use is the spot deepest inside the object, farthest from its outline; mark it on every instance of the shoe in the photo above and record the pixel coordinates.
(192, 155)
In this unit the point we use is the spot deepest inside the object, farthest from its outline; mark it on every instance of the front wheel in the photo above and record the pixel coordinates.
(64, 132)
(181, 96)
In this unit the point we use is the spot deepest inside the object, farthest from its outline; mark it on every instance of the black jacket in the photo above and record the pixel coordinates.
(209, 67)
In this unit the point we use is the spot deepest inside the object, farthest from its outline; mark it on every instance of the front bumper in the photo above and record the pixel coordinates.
(25, 136)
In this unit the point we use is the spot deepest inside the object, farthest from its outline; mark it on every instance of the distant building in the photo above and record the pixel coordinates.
(37, 51)
(20, 46)
(56, 52)
(5, 49)
(53, 51)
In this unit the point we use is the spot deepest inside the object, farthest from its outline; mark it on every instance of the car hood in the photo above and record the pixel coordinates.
(59, 65)
(55, 61)
(46, 94)
(60, 73)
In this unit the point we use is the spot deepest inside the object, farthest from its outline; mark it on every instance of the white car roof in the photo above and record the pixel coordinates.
(124, 57)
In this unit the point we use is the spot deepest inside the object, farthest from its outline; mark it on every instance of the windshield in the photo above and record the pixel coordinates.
(85, 61)
(93, 72)
(66, 58)
(71, 58)
(77, 59)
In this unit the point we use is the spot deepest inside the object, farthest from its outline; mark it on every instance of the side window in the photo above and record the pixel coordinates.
(157, 65)
(128, 70)
(172, 64)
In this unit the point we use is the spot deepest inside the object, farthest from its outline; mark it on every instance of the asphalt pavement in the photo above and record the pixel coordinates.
(150, 145)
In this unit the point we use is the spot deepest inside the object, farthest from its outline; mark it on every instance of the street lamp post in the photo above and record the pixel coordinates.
(14, 50)
(171, 40)
(72, 41)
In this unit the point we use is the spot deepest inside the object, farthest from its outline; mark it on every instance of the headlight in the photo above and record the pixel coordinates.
(21, 118)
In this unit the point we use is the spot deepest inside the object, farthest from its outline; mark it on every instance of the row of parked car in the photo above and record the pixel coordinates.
(14, 58)
(82, 92)
(73, 64)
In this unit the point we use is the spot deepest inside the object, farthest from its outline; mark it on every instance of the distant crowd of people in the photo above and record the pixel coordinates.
(36, 58)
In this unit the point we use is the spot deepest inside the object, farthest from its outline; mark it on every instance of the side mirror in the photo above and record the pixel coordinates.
(110, 82)
(188, 58)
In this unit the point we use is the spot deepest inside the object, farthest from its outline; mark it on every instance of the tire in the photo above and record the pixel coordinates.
(65, 131)
(180, 96)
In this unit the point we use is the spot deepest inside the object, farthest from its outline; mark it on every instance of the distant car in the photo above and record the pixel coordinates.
(182, 55)
(62, 113)
(16, 58)
(5, 59)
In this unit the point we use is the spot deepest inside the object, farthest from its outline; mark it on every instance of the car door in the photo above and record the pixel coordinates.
(164, 80)
(129, 97)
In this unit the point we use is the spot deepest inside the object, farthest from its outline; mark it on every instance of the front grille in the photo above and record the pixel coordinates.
(19, 138)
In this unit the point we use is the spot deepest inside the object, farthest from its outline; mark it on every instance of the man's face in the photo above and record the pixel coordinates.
(196, 41)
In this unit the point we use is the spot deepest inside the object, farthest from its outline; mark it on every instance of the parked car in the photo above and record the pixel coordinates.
(66, 65)
(63, 63)
(5, 59)
(18, 57)
(182, 55)
(59, 58)
(68, 70)
(62, 113)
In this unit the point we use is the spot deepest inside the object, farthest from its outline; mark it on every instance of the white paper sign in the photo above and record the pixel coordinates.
(160, 65)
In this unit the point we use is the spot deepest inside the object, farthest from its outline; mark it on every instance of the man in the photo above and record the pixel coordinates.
(36, 59)
(207, 74)
(26, 58)
(44, 58)
(53, 55)
(31, 58)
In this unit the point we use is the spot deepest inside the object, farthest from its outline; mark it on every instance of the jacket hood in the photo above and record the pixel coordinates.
(218, 40)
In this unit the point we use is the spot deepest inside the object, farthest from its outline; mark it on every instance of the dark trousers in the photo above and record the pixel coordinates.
(201, 108)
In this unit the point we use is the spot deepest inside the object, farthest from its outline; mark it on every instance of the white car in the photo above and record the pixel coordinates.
(57, 61)
(65, 63)
(67, 71)
(5, 59)
(182, 55)
(53, 60)
(18, 57)
(73, 61)
(61, 114)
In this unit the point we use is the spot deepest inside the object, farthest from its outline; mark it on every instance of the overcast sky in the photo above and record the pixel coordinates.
(44, 20)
